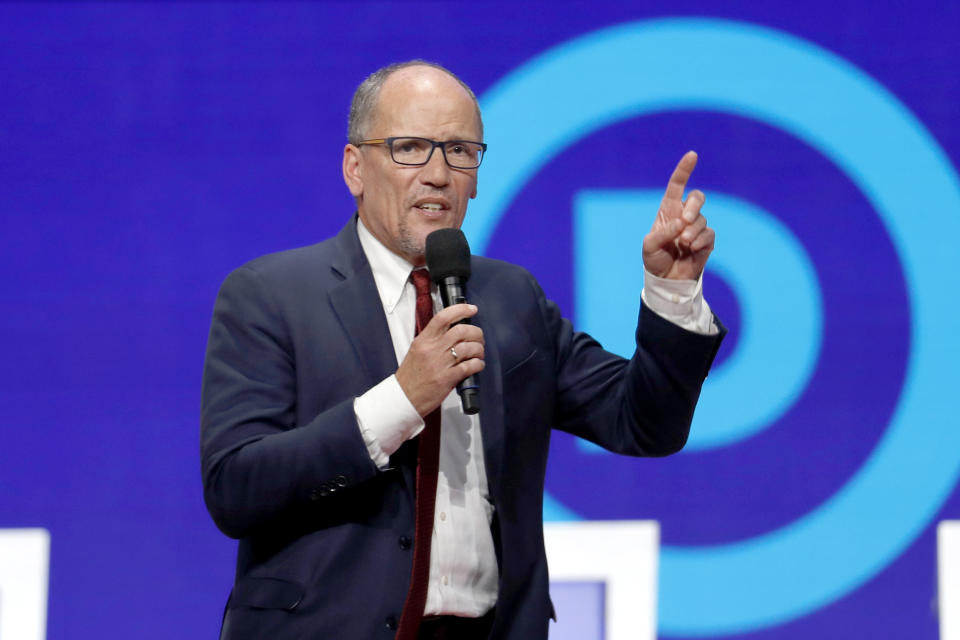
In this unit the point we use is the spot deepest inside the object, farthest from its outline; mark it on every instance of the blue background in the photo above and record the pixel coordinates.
(148, 149)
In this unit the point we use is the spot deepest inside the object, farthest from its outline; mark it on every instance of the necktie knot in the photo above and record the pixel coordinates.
(421, 282)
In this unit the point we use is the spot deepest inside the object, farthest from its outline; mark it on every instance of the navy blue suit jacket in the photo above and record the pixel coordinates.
(325, 536)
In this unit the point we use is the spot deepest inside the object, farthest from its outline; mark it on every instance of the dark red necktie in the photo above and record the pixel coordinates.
(428, 456)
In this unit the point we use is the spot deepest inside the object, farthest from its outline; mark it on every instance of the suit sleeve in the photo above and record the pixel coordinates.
(642, 406)
(258, 465)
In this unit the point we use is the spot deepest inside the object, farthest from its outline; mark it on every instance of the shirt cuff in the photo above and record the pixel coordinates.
(679, 301)
(386, 420)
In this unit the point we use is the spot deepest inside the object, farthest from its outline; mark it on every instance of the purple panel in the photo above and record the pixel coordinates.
(583, 607)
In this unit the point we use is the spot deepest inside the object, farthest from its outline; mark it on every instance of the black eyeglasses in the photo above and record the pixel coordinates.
(415, 152)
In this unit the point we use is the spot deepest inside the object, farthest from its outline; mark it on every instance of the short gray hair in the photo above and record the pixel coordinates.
(365, 98)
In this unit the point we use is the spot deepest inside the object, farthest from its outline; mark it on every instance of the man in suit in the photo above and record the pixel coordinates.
(318, 390)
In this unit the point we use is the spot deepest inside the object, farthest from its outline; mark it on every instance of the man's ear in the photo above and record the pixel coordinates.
(352, 173)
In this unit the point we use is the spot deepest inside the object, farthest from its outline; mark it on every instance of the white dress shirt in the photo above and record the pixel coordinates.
(463, 564)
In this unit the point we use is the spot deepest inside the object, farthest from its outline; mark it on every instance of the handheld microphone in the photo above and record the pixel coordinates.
(448, 261)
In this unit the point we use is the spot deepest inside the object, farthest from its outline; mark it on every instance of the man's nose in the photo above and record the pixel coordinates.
(436, 172)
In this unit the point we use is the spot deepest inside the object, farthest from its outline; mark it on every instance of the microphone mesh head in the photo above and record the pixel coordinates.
(448, 254)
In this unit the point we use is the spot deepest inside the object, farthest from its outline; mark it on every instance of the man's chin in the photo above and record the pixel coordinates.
(413, 238)
(413, 248)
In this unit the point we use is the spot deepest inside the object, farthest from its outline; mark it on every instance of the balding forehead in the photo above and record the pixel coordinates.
(422, 78)
(421, 82)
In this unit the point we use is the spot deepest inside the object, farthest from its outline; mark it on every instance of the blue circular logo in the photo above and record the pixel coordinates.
(650, 67)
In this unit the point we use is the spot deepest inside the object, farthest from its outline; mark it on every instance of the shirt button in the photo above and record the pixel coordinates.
(445, 580)
(390, 623)
(405, 542)
(443, 515)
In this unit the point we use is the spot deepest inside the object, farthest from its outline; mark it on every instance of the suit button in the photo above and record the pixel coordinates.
(341, 481)
(391, 623)
(324, 490)
(405, 542)
(314, 494)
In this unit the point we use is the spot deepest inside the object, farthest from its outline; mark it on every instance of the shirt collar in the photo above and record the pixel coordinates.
(390, 272)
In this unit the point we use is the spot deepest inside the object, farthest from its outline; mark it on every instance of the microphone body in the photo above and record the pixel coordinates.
(448, 261)
(452, 292)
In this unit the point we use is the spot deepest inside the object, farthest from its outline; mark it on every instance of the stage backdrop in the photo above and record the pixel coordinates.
(146, 149)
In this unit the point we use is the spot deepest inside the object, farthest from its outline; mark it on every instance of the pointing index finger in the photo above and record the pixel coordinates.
(678, 183)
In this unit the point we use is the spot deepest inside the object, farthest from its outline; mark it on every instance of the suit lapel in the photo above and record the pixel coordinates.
(358, 307)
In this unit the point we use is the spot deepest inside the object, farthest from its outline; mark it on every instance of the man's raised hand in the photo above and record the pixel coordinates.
(680, 241)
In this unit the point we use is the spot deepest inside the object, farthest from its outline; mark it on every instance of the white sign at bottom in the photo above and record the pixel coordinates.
(622, 556)
(948, 578)
(24, 574)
